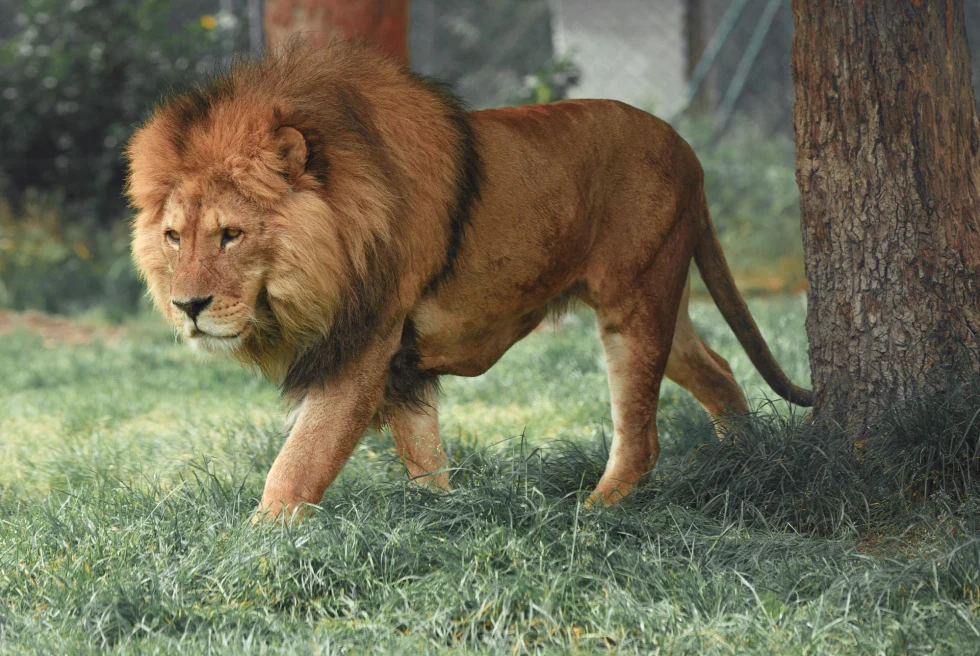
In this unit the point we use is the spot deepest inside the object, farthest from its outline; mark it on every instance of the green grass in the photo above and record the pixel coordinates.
(129, 472)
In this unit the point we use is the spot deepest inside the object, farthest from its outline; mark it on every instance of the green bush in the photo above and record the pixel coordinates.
(49, 264)
(750, 182)
(549, 83)
(77, 76)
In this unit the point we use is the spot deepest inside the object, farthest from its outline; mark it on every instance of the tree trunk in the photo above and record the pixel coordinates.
(887, 137)
(382, 22)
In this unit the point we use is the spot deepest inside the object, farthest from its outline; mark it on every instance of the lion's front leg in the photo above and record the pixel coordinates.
(331, 420)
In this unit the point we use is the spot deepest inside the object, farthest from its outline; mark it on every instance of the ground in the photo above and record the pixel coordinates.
(129, 469)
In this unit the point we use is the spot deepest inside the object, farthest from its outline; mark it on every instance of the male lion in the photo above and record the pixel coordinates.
(349, 229)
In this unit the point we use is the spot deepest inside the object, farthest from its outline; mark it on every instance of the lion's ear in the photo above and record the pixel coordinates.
(292, 152)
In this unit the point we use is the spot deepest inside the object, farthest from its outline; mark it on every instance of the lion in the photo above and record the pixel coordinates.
(351, 230)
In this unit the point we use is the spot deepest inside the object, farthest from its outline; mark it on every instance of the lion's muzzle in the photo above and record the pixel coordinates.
(192, 307)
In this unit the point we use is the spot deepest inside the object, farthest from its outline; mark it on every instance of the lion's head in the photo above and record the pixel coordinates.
(294, 204)
(213, 242)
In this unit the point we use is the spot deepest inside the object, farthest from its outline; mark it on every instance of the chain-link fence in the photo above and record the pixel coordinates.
(727, 59)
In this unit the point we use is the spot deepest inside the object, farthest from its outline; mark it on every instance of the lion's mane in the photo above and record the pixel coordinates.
(377, 218)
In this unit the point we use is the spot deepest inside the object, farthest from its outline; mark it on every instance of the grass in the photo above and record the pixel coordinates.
(129, 473)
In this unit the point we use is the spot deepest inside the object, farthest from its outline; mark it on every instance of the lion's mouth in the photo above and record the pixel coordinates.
(198, 333)
(205, 342)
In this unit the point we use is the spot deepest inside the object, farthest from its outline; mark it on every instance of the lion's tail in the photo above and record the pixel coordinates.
(718, 278)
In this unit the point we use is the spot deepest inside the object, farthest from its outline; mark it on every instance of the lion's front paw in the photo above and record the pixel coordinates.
(610, 490)
(277, 510)
(437, 482)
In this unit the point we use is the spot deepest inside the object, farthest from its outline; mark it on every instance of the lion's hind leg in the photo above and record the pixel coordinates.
(415, 429)
(636, 334)
(705, 374)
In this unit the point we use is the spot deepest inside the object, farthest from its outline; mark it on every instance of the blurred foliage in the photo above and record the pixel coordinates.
(750, 182)
(51, 263)
(47, 263)
(77, 76)
(550, 82)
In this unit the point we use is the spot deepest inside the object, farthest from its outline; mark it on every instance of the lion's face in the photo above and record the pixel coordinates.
(246, 241)
(214, 245)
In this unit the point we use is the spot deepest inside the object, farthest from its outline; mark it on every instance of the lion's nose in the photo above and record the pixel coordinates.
(193, 306)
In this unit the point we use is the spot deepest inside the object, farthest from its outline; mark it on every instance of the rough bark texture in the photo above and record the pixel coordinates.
(382, 22)
(887, 138)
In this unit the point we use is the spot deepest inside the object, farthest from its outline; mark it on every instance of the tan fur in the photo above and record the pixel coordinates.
(341, 171)
(416, 434)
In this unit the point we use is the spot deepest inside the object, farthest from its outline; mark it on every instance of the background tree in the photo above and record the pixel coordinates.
(384, 22)
(887, 139)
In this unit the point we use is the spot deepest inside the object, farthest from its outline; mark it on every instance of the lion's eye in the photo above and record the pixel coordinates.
(172, 237)
(228, 235)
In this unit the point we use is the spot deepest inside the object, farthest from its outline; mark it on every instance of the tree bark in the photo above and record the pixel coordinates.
(382, 22)
(887, 137)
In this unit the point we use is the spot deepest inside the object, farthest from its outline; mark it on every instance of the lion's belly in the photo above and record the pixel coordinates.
(493, 302)
(451, 343)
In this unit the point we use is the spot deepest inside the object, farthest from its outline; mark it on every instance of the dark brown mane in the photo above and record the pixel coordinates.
(355, 324)
(469, 173)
